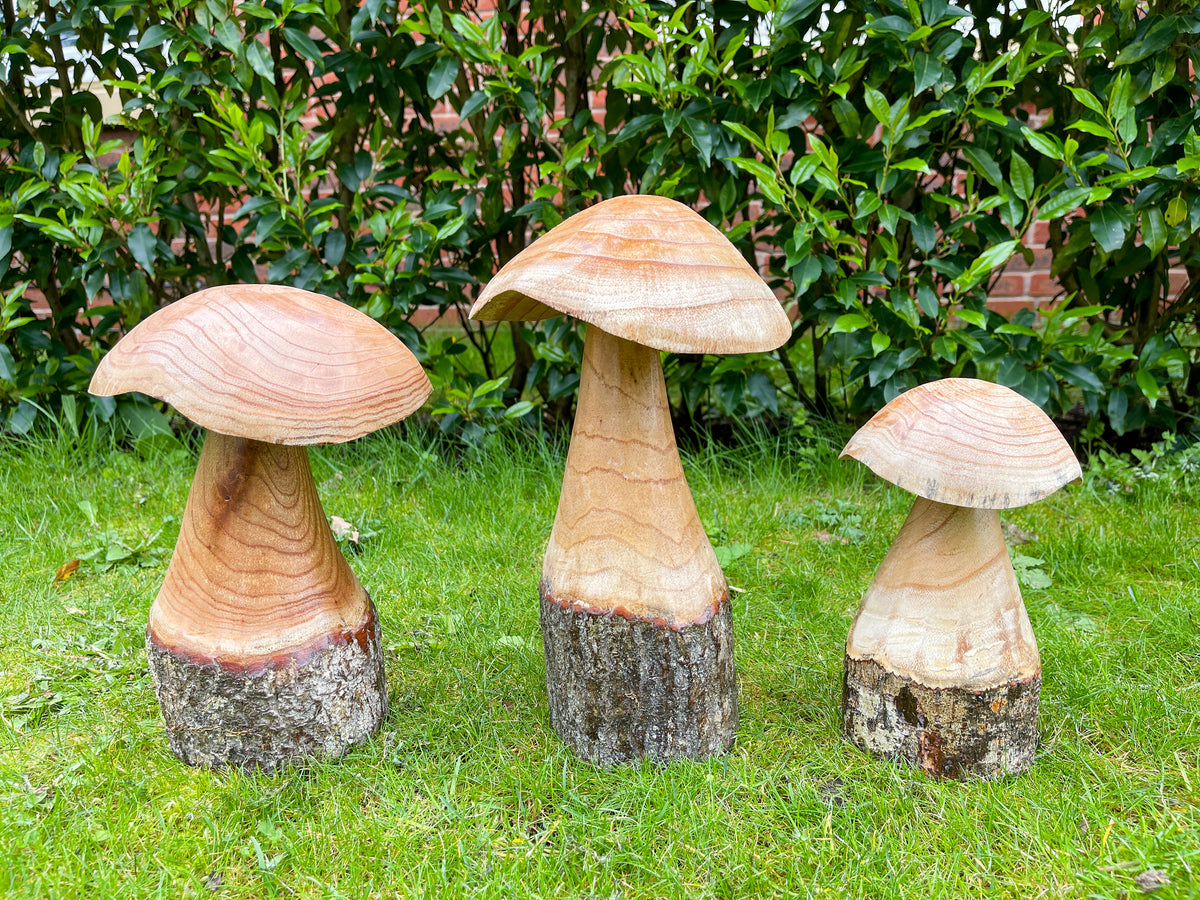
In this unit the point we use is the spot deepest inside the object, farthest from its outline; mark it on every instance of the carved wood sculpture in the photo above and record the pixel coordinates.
(634, 607)
(263, 646)
(942, 669)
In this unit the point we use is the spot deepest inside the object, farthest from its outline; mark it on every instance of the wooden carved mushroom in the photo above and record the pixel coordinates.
(262, 644)
(635, 610)
(942, 669)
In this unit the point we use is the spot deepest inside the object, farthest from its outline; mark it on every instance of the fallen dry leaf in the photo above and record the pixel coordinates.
(66, 570)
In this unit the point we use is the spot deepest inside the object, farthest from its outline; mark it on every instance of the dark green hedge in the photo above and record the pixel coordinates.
(888, 159)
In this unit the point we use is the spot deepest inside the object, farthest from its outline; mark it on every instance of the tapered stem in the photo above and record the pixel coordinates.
(945, 608)
(256, 572)
(627, 538)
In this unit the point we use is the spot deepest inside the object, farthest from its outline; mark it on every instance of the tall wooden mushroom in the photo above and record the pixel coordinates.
(635, 610)
(942, 669)
(262, 644)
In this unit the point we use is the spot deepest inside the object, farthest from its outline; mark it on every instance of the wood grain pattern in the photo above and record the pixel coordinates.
(256, 576)
(967, 442)
(269, 363)
(944, 609)
(647, 269)
(626, 537)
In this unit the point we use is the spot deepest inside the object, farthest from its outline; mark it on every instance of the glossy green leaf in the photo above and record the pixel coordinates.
(925, 234)
(1176, 211)
(1154, 230)
(441, 76)
(142, 245)
(1063, 203)
(260, 60)
(1020, 174)
(1149, 387)
(1086, 98)
(893, 25)
(927, 71)
(1095, 128)
(877, 104)
(760, 387)
(154, 36)
(8, 366)
(928, 301)
(1045, 144)
(304, 45)
(21, 417)
(1118, 407)
(849, 322)
(335, 247)
(985, 164)
(972, 317)
(1110, 225)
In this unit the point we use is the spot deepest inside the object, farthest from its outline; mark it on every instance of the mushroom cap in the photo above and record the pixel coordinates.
(646, 269)
(268, 363)
(968, 443)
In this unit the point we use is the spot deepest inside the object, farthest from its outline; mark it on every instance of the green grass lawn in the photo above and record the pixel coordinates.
(467, 791)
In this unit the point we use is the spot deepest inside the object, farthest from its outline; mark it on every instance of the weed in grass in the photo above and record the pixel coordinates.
(836, 520)
(109, 548)
(1030, 572)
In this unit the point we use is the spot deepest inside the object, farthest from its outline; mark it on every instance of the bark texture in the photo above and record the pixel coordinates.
(317, 702)
(949, 732)
(624, 688)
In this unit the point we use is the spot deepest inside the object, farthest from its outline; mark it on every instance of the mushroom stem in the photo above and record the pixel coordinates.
(627, 538)
(635, 609)
(262, 643)
(942, 668)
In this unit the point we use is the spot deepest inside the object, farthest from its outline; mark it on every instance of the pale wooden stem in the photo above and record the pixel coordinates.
(944, 608)
(256, 574)
(626, 537)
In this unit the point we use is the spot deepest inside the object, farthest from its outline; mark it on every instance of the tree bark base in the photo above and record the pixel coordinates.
(947, 732)
(622, 689)
(314, 703)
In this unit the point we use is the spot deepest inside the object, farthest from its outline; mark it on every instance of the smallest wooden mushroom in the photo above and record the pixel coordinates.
(942, 669)
(263, 646)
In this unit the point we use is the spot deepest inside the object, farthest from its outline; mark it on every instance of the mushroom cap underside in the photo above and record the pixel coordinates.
(966, 442)
(268, 363)
(644, 268)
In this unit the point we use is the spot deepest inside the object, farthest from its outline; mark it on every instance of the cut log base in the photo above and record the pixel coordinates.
(317, 703)
(622, 689)
(947, 732)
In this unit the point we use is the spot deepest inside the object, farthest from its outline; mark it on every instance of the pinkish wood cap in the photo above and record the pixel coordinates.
(966, 442)
(646, 269)
(268, 363)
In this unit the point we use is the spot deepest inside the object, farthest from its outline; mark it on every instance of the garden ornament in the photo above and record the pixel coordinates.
(942, 669)
(262, 644)
(635, 610)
